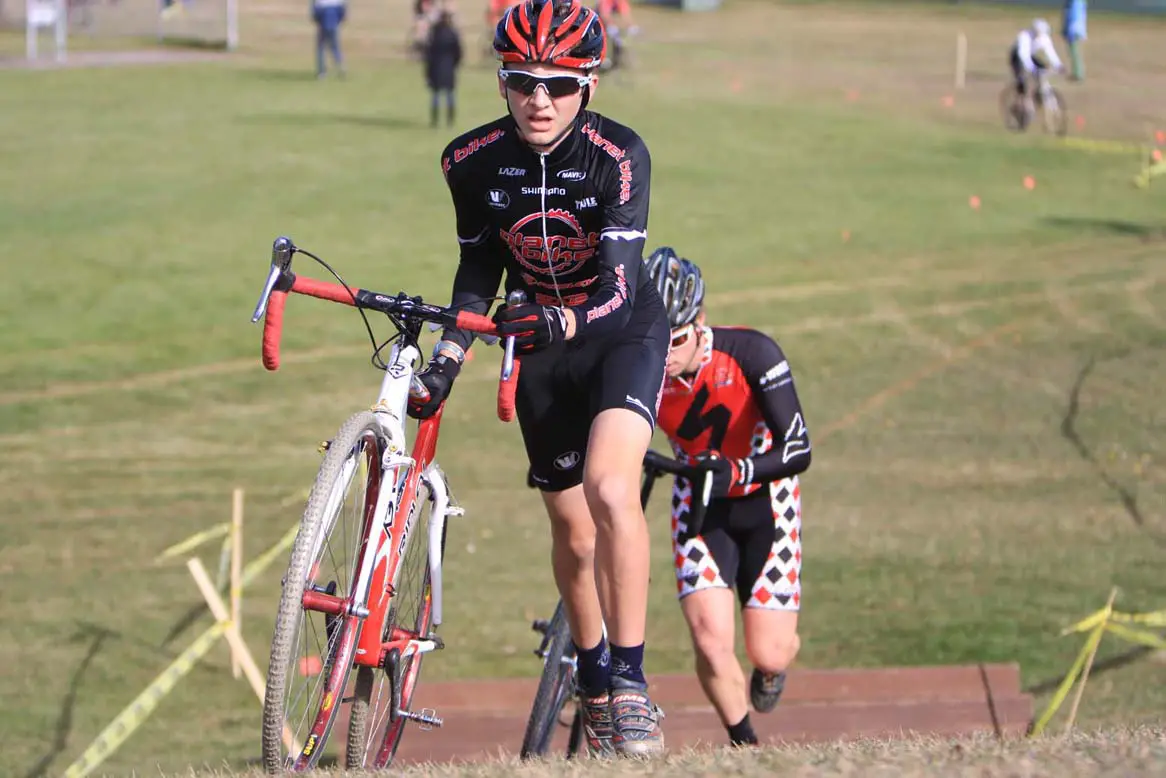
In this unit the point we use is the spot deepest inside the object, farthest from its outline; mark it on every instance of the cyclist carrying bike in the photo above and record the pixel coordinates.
(1032, 54)
(555, 197)
(730, 402)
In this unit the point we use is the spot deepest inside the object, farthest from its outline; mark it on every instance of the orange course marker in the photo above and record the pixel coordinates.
(974, 202)
(1029, 182)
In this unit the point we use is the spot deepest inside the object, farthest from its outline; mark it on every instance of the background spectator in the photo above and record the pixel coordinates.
(328, 15)
(443, 56)
(1074, 32)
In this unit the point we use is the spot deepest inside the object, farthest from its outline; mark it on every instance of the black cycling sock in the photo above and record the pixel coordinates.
(742, 734)
(628, 662)
(594, 669)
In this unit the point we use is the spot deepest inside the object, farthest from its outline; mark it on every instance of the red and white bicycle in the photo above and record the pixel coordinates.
(362, 591)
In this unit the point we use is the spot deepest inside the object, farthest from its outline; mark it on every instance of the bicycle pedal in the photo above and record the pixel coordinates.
(438, 643)
(540, 625)
(426, 718)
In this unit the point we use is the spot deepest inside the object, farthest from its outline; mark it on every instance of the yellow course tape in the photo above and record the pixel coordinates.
(1102, 146)
(1067, 684)
(1097, 624)
(1152, 619)
(1142, 180)
(1137, 635)
(132, 716)
(194, 541)
(118, 730)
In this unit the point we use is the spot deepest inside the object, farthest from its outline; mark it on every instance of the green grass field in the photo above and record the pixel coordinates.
(981, 385)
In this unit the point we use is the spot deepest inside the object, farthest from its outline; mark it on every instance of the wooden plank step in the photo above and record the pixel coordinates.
(469, 736)
(928, 683)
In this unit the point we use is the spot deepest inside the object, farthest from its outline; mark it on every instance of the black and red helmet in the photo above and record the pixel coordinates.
(553, 32)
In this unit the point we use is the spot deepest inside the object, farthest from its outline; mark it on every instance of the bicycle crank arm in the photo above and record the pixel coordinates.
(426, 717)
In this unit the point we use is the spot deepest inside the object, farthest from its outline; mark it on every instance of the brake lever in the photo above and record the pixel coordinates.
(281, 256)
(516, 297)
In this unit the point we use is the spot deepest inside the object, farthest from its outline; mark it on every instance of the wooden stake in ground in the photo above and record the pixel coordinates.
(1089, 663)
(961, 59)
(236, 590)
(234, 639)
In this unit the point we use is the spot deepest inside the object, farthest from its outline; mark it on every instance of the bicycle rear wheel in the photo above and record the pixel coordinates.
(555, 687)
(312, 652)
(375, 728)
(1012, 109)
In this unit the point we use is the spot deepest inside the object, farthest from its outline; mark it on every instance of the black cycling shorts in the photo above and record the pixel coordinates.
(563, 388)
(1017, 70)
(752, 544)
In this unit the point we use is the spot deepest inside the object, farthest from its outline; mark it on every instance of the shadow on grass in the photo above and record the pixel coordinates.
(1127, 497)
(1101, 666)
(318, 119)
(279, 74)
(96, 637)
(1145, 232)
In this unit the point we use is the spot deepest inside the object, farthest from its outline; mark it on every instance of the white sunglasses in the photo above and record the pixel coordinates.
(560, 85)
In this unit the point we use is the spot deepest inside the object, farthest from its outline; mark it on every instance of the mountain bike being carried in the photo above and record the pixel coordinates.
(363, 589)
(554, 198)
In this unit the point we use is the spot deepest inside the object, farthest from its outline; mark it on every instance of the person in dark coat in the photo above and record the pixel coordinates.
(443, 56)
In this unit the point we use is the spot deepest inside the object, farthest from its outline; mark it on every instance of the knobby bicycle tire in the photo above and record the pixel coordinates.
(555, 687)
(360, 430)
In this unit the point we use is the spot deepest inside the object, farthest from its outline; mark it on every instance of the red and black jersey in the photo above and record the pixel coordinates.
(566, 227)
(741, 403)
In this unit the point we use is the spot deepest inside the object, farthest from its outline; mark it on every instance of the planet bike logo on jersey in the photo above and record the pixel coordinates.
(619, 155)
(563, 251)
(474, 145)
(614, 303)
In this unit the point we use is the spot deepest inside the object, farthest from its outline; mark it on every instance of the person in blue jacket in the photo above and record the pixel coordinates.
(328, 15)
(1074, 32)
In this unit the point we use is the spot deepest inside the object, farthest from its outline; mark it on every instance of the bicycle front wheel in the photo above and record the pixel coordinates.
(376, 726)
(1055, 113)
(555, 687)
(312, 651)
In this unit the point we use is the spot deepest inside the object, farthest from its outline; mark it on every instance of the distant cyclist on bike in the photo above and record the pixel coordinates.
(1031, 55)
(616, 16)
(555, 197)
(730, 403)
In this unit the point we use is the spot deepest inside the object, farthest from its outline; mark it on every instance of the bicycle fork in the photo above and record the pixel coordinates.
(440, 510)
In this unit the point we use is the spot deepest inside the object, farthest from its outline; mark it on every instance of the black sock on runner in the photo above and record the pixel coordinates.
(594, 668)
(628, 662)
(742, 734)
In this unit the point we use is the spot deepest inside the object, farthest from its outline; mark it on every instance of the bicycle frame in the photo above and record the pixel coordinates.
(389, 505)
(387, 529)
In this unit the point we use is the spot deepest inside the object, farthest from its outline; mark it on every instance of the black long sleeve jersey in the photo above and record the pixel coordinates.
(567, 227)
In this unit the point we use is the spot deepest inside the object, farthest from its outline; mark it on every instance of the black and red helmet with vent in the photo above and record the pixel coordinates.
(553, 32)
